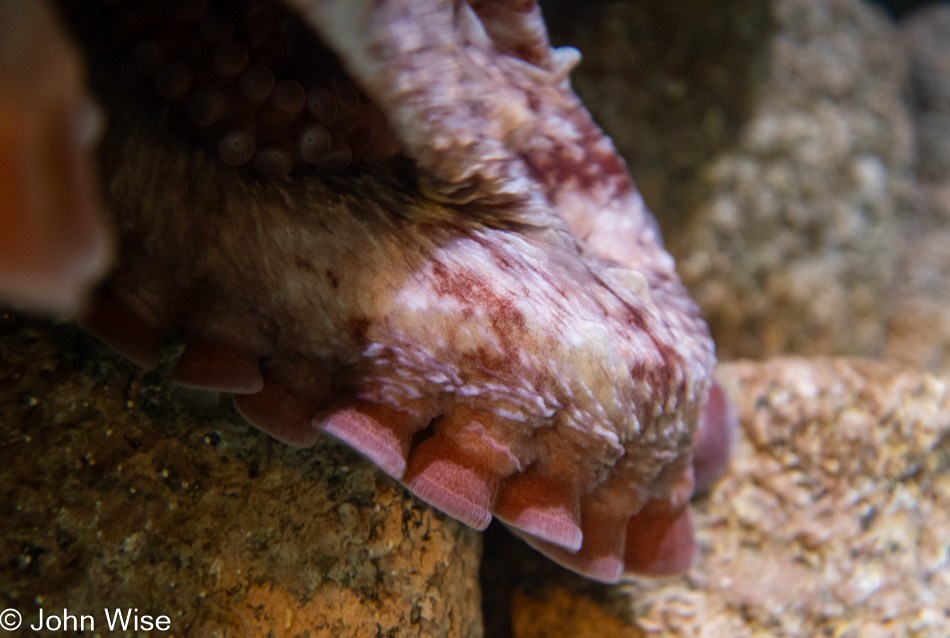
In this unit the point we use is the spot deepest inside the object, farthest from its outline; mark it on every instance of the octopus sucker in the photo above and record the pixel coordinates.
(231, 370)
(394, 223)
(232, 70)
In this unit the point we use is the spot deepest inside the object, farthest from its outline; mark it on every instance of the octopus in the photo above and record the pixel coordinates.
(392, 222)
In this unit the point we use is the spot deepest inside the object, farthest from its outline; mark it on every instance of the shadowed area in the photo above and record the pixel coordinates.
(672, 83)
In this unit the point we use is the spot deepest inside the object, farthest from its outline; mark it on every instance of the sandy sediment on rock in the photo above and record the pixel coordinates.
(830, 521)
(115, 495)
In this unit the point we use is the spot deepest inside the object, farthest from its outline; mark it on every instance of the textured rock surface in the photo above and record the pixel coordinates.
(830, 522)
(114, 494)
(673, 83)
(788, 241)
(919, 334)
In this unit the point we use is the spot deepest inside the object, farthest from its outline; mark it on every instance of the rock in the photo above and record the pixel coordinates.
(830, 521)
(115, 494)
(565, 614)
(821, 231)
(791, 150)
(919, 333)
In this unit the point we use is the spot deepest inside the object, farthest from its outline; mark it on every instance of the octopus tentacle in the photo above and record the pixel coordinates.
(128, 331)
(467, 114)
(382, 434)
(284, 415)
(659, 540)
(542, 507)
(483, 308)
(603, 527)
(715, 435)
(233, 75)
(215, 366)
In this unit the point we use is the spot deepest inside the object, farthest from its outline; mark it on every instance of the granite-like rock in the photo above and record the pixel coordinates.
(673, 83)
(830, 522)
(791, 133)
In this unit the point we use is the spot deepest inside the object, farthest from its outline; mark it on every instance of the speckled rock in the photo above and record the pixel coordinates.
(673, 83)
(830, 523)
(792, 246)
(115, 494)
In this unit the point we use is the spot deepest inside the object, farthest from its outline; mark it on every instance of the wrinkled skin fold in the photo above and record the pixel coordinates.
(485, 310)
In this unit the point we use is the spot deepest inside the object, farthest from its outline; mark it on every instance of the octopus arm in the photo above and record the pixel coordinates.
(478, 300)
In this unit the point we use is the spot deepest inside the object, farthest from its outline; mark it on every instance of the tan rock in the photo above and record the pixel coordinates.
(773, 142)
(830, 522)
(114, 494)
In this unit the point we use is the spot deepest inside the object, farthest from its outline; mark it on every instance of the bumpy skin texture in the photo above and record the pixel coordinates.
(489, 315)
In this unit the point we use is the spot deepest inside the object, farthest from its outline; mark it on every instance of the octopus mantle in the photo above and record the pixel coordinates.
(436, 257)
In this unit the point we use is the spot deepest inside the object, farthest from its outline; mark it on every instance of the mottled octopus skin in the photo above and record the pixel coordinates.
(489, 315)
